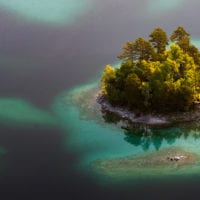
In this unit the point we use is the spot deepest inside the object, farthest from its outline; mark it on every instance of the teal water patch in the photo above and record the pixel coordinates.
(96, 136)
(3, 150)
(90, 138)
(93, 138)
(47, 11)
(17, 112)
(162, 6)
(196, 42)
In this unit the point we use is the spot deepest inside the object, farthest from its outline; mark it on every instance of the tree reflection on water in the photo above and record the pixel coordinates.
(146, 135)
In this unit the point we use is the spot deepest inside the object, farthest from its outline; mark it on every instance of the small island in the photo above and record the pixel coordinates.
(156, 76)
(144, 120)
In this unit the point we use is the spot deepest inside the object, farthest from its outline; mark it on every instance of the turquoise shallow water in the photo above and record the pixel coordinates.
(93, 139)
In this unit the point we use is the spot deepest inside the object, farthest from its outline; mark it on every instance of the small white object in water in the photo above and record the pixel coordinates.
(175, 158)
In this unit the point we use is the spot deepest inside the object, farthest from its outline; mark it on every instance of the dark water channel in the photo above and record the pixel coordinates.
(42, 56)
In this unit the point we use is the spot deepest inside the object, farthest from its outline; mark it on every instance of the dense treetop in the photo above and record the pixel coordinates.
(154, 76)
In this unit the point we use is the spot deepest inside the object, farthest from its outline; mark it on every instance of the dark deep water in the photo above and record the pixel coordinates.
(40, 60)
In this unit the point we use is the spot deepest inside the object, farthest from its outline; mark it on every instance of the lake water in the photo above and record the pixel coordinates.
(50, 48)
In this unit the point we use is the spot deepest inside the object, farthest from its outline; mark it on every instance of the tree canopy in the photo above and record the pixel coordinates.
(181, 37)
(154, 77)
(159, 40)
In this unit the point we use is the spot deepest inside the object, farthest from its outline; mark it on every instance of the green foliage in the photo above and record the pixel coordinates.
(108, 77)
(138, 50)
(143, 49)
(181, 37)
(159, 40)
(128, 52)
(152, 78)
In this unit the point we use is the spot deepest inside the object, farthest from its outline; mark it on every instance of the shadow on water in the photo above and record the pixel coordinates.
(146, 135)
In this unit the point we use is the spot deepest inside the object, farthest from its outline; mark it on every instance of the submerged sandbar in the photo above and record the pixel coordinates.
(169, 161)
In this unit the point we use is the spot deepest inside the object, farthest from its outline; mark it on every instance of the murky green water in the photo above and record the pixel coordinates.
(17, 112)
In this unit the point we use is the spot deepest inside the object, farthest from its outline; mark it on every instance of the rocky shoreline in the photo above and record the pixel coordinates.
(149, 119)
(93, 105)
(126, 114)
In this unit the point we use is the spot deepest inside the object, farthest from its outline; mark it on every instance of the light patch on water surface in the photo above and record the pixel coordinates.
(162, 6)
(47, 11)
(18, 112)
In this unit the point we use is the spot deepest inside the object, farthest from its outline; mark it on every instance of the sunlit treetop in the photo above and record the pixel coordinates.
(153, 76)
(159, 40)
